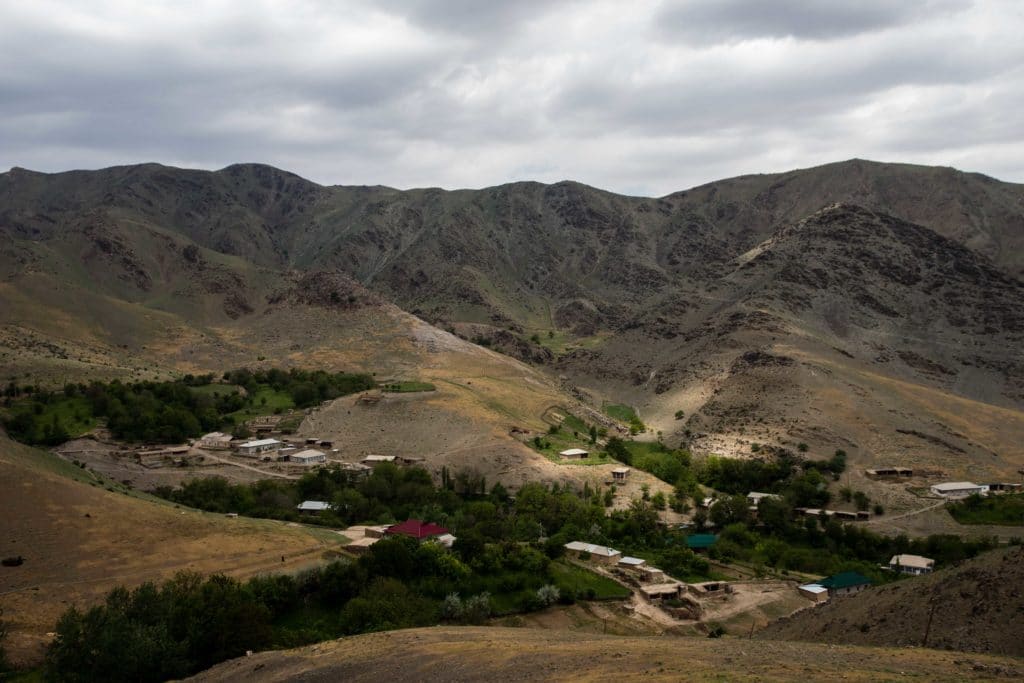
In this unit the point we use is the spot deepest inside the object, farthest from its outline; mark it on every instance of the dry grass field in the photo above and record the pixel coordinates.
(80, 540)
(518, 654)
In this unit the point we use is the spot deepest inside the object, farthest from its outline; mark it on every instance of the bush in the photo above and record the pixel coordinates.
(548, 594)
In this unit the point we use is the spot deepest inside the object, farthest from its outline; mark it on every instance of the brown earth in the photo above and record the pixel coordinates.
(80, 536)
(977, 606)
(511, 654)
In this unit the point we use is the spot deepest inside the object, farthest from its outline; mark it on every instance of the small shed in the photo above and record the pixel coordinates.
(814, 592)
(574, 454)
(632, 562)
(620, 473)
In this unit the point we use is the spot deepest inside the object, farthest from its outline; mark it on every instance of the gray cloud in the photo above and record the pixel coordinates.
(710, 21)
(466, 94)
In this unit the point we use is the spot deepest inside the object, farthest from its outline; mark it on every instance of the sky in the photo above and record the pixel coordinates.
(640, 97)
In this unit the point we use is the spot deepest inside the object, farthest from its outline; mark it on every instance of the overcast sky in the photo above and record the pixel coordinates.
(636, 97)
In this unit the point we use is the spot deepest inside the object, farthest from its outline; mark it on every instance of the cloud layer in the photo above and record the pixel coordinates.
(641, 98)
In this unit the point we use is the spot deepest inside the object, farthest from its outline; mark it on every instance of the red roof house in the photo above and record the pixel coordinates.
(414, 528)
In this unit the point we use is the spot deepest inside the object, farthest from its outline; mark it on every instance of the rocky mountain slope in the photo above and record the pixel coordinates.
(856, 305)
(975, 607)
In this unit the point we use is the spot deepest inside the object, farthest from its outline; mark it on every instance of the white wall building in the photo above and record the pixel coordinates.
(308, 457)
(959, 489)
(256, 448)
(912, 564)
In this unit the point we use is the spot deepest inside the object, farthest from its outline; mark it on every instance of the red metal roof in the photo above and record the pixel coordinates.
(417, 529)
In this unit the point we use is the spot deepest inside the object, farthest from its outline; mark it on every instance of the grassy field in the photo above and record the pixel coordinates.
(569, 577)
(626, 414)
(265, 401)
(1001, 509)
(407, 387)
(74, 414)
(563, 439)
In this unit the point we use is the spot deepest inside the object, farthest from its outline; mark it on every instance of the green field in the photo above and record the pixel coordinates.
(571, 578)
(73, 414)
(995, 509)
(563, 439)
(626, 414)
(265, 401)
(407, 387)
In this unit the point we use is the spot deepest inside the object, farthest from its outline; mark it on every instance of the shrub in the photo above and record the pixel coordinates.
(548, 594)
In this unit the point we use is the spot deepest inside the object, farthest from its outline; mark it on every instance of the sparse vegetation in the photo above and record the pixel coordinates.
(999, 509)
(626, 414)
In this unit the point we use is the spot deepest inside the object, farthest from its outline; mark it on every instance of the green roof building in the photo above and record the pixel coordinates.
(700, 541)
(845, 583)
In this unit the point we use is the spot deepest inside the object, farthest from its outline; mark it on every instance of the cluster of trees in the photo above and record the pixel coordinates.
(168, 411)
(306, 387)
(1003, 509)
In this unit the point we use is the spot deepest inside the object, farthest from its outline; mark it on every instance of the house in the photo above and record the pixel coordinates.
(1004, 487)
(890, 472)
(846, 583)
(632, 563)
(620, 473)
(214, 441)
(959, 489)
(256, 448)
(911, 564)
(597, 553)
(356, 469)
(308, 457)
(661, 591)
(755, 497)
(814, 592)
(372, 460)
(700, 542)
(574, 454)
(313, 507)
(414, 528)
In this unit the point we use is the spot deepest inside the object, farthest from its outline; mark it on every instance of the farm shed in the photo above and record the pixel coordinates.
(574, 454)
(814, 592)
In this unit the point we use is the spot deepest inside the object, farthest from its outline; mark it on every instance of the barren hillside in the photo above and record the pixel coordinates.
(975, 607)
(511, 654)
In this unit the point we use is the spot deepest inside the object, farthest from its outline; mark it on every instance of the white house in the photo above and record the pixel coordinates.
(255, 448)
(574, 453)
(214, 441)
(372, 460)
(959, 489)
(308, 457)
(755, 497)
(598, 553)
(313, 506)
(912, 564)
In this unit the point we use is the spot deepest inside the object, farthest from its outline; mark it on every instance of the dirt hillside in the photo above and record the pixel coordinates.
(975, 607)
(510, 654)
(79, 540)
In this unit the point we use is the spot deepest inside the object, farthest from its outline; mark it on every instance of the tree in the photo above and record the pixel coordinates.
(730, 510)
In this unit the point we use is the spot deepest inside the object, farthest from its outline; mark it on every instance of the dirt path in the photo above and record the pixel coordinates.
(248, 467)
(883, 520)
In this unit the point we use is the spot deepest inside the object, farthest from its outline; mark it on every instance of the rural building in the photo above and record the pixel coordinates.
(912, 564)
(574, 454)
(356, 469)
(846, 583)
(264, 423)
(361, 545)
(256, 448)
(652, 574)
(632, 562)
(372, 460)
(959, 489)
(214, 441)
(308, 457)
(414, 528)
(814, 592)
(660, 591)
(411, 460)
(313, 507)
(1004, 487)
(361, 531)
(597, 553)
(755, 497)
(620, 473)
(890, 472)
(700, 542)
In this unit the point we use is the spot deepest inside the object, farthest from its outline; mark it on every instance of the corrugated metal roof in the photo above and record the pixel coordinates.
(593, 549)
